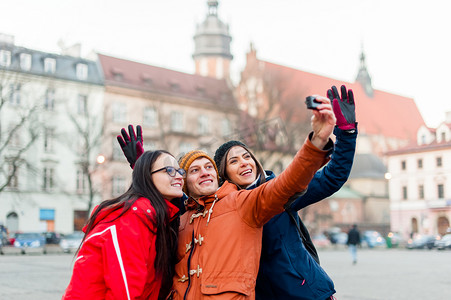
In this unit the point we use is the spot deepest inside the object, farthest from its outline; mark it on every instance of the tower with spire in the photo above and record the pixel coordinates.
(363, 77)
(212, 55)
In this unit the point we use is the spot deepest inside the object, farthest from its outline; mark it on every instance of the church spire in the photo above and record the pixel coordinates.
(212, 55)
(363, 77)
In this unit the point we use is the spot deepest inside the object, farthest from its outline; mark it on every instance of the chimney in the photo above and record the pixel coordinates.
(6, 38)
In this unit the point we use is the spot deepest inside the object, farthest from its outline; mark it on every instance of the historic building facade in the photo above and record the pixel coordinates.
(48, 104)
(420, 197)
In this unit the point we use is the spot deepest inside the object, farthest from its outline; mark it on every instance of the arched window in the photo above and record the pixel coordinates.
(12, 222)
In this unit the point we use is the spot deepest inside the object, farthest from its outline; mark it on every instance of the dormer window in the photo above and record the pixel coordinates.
(5, 58)
(82, 71)
(175, 87)
(200, 91)
(147, 80)
(117, 74)
(49, 65)
(25, 61)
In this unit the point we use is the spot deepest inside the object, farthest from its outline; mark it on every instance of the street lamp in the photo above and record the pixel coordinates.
(100, 159)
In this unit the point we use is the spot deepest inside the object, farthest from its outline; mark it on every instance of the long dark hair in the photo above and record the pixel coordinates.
(222, 168)
(143, 186)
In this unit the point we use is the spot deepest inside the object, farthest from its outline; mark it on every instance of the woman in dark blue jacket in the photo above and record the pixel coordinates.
(289, 264)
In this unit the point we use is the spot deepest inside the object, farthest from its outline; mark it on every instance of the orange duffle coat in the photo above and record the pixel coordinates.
(220, 237)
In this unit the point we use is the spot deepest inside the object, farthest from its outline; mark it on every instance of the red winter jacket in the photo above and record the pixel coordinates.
(116, 260)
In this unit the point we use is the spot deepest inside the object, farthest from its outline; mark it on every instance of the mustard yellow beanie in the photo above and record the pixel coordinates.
(186, 160)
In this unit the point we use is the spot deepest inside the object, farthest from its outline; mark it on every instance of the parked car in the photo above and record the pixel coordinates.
(394, 240)
(320, 241)
(340, 238)
(52, 237)
(71, 242)
(421, 242)
(444, 242)
(336, 236)
(28, 240)
(372, 238)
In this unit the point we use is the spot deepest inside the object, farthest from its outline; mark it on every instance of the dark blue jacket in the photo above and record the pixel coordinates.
(287, 269)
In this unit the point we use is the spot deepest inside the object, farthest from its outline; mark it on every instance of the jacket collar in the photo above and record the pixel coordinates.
(268, 176)
(225, 189)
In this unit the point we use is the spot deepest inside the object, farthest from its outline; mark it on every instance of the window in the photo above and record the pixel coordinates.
(49, 100)
(117, 152)
(439, 161)
(420, 163)
(81, 182)
(175, 87)
(119, 112)
(82, 71)
(25, 61)
(82, 104)
(200, 91)
(443, 136)
(5, 58)
(403, 165)
(226, 127)
(150, 117)
(421, 191)
(202, 125)
(177, 121)
(118, 185)
(49, 65)
(404, 193)
(48, 179)
(440, 191)
(423, 139)
(14, 95)
(48, 139)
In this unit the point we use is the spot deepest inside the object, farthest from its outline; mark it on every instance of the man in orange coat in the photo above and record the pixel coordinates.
(220, 234)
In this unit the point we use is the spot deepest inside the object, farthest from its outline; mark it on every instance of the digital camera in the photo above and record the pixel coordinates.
(311, 102)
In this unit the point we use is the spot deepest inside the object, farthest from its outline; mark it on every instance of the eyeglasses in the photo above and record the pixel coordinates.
(171, 171)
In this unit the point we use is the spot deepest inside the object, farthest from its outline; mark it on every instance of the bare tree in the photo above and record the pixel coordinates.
(88, 132)
(277, 121)
(20, 105)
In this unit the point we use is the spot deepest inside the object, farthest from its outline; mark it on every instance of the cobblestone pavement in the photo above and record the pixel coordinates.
(389, 274)
(382, 274)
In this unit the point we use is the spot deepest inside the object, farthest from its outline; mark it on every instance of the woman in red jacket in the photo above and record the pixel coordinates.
(129, 245)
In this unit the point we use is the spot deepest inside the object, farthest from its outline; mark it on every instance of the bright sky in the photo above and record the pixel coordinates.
(407, 43)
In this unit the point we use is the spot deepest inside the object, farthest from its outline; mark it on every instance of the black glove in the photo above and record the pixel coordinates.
(131, 145)
(344, 107)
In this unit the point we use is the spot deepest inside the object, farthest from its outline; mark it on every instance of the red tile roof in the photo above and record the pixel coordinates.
(135, 75)
(384, 114)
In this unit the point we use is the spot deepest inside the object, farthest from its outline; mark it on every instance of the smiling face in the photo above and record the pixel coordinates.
(240, 166)
(170, 187)
(201, 178)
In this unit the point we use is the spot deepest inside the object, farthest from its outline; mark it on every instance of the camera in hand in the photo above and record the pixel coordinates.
(311, 102)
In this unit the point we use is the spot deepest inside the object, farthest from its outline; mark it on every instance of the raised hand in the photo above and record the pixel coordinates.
(344, 107)
(131, 144)
(323, 122)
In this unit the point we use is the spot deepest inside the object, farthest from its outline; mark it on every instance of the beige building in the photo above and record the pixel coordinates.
(420, 198)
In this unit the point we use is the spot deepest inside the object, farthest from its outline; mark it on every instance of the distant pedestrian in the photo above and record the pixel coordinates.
(353, 241)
